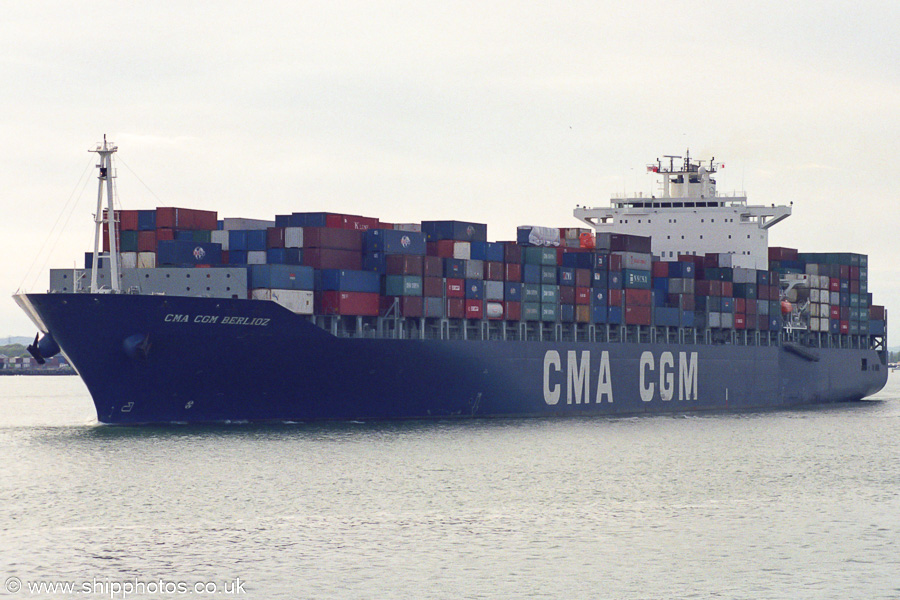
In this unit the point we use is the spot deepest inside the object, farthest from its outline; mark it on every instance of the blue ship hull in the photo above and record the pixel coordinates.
(214, 360)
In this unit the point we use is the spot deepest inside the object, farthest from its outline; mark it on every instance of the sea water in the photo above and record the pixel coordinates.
(776, 504)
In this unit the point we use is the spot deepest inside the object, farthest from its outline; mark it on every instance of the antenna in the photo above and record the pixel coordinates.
(106, 176)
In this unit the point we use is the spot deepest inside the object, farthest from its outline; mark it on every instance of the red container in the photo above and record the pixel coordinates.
(834, 312)
(513, 272)
(876, 312)
(854, 286)
(404, 264)
(776, 253)
(412, 306)
(566, 294)
(348, 303)
(740, 321)
(329, 258)
(337, 239)
(637, 315)
(433, 287)
(845, 271)
(474, 309)
(615, 298)
(275, 237)
(442, 248)
(751, 306)
(834, 284)
(752, 321)
(493, 271)
(456, 288)
(727, 289)
(164, 235)
(512, 253)
(207, 220)
(224, 257)
(456, 308)
(582, 278)
(635, 297)
(358, 223)
(854, 271)
(146, 241)
(513, 311)
(845, 327)
(128, 221)
(740, 305)
(688, 302)
(559, 255)
(185, 218)
(660, 269)
(615, 262)
(432, 266)
(762, 292)
(582, 295)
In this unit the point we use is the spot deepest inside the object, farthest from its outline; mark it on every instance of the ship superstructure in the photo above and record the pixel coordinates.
(690, 216)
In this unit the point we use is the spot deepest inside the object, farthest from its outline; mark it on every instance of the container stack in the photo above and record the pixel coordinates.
(334, 264)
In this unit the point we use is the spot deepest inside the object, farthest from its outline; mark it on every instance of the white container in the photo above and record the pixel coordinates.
(493, 290)
(297, 301)
(256, 257)
(493, 310)
(293, 237)
(462, 250)
(219, 237)
(408, 227)
(146, 260)
(129, 260)
(240, 223)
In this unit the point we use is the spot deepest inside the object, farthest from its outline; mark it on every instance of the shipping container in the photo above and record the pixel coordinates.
(289, 277)
(454, 230)
(175, 252)
(456, 288)
(297, 301)
(402, 285)
(330, 258)
(343, 280)
(391, 241)
(336, 239)
(347, 303)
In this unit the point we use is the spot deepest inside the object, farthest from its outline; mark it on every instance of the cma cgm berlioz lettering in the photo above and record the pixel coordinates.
(668, 303)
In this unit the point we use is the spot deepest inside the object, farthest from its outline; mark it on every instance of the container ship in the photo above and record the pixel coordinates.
(669, 303)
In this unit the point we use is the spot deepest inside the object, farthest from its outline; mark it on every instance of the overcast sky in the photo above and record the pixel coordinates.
(497, 112)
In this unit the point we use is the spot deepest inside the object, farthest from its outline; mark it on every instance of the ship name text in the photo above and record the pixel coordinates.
(216, 319)
(661, 376)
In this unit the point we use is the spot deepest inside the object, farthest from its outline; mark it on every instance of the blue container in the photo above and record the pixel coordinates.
(614, 315)
(220, 224)
(184, 235)
(665, 316)
(681, 270)
(237, 257)
(282, 277)
(762, 278)
(875, 327)
(578, 260)
(341, 280)
(308, 219)
(531, 273)
(599, 297)
(567, 313)
(599, 313)
(478, 250)
(659, 298)
(495, 252)
(256, 239)
(146, 220)
(454, 267)
(237, 240)
(282, 220)
(601, 262)
(774, 322)
(275, 256)
(566, 276)
(182, 252)
(687, 318)
(600, 279)
(375, 262)
(474, 289)
(454, 230)
(727, 305)
(512, 291)
(394, 241)
(548, 275)
(661, 284)
(615, 280)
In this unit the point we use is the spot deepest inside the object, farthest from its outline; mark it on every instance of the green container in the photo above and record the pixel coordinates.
(549, 294)
(636, 280)
(128, 241)
(536, 255)
(531, 311)
(202, 235)
(531, 292)
(549, 313)
(402, 285)
(548, 274)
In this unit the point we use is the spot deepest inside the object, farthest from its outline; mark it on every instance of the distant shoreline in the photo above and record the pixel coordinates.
(37, 372)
